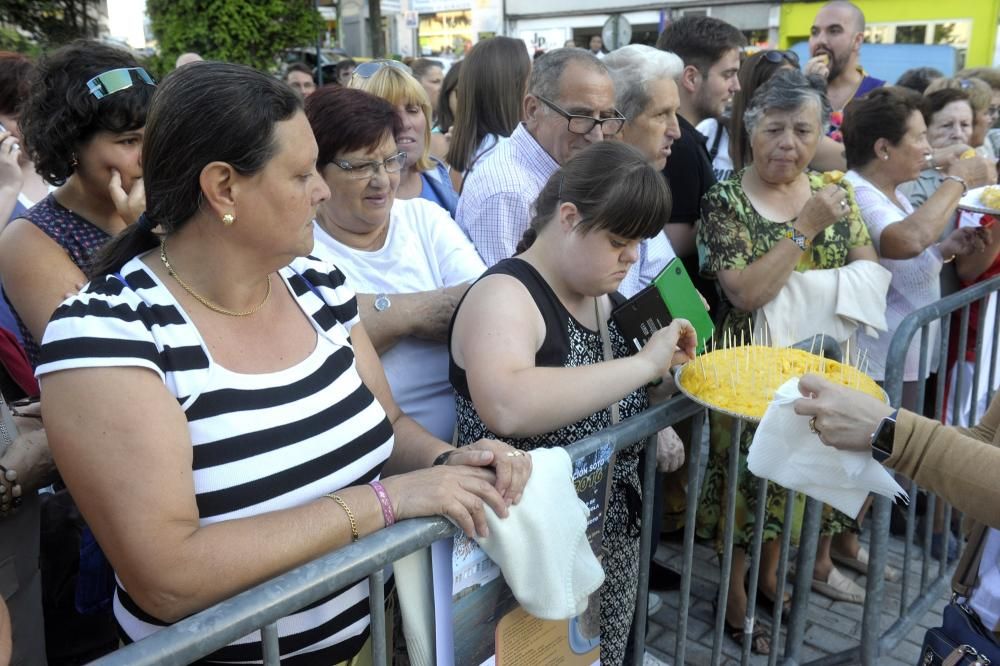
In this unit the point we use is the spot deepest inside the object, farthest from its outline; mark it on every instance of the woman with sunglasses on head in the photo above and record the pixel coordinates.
(537, 359)
(371, 235)
(252, 429)
(424, 176)
(82, 126)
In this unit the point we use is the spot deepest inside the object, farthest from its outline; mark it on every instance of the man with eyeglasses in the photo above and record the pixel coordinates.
(835, 48)
(570, 104)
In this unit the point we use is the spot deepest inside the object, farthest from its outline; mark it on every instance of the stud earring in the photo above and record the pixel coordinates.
(73, 162)
(228, 219)
(885, 156)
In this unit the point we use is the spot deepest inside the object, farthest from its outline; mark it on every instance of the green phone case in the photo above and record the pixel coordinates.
(683, 301)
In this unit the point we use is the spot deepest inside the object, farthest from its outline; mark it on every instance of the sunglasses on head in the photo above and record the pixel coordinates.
(778, 57)
(368, 69)
(115, 80)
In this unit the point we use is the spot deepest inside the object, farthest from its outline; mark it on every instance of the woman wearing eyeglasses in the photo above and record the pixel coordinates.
(211, 397)
(424, 175)
(82, 126)
(407, 259)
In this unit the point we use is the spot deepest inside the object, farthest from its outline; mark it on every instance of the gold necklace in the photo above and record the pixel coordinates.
(201, 299)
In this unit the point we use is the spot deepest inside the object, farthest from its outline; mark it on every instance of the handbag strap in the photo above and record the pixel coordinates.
(602, 325)
(966, 575)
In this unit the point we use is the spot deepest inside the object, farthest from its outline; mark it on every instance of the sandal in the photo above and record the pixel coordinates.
(760, 640)
(839, 587)
(860, 564)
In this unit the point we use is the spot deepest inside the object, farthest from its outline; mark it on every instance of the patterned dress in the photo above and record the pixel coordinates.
(731, 236)
(568, 343)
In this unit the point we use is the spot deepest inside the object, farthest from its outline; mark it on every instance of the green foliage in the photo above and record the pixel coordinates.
(12, 40)
(240, 31)
(51, 22)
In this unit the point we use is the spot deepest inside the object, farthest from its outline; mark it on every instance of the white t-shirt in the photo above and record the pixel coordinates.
(424, 250)
(722, 163)
(915, 282)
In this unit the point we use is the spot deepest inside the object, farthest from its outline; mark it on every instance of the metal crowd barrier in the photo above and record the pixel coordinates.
(261, 606)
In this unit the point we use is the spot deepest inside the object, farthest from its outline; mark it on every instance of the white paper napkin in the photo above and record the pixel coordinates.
(787, 452)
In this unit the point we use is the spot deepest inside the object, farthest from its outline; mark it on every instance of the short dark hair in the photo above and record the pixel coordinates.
(212, 112)
(346, 119)
(937, 100)
(700, 40)
(421, 66)
(61, 114)
(881, 114)
(613, 186)
(918, 78)
(15, 81)
(298, 67)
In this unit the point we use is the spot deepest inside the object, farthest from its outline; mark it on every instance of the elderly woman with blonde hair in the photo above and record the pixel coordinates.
(423, 176)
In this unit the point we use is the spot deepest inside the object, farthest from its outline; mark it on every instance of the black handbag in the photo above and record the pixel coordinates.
(960, 640)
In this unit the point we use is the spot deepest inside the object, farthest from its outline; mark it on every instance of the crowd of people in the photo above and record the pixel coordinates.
(264, 318)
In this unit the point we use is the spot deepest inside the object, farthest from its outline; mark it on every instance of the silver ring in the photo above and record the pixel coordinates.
(844, 204)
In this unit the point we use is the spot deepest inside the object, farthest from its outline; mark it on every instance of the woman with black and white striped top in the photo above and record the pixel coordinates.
(211, 397)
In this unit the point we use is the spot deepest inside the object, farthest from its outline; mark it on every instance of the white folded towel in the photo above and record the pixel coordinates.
(542, 547)
(803, 309)
(786, 451)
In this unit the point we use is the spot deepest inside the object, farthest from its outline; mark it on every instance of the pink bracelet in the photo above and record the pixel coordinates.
(388, 515)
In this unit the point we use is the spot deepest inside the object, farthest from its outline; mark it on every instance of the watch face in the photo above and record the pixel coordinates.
(382, 302)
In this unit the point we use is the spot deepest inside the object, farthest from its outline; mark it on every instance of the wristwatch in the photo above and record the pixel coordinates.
(443, 458)
(883, 436)
(797, 237)
(382, 302)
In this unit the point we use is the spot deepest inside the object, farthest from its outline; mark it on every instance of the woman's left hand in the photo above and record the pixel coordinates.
(512, 466)
(965, 240)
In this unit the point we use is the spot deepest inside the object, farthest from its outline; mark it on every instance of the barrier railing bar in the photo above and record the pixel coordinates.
(786, 545)
(806, 560)
(727, 541)
(217, 626)
(976, 370)
(755, 562)
(875, 584)
(269, 644)
(690, 517)
(962, 371)
(645, 540)
(993, 346)
(376, 601)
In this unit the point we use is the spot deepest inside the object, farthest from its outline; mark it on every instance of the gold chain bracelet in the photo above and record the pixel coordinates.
(350, 514)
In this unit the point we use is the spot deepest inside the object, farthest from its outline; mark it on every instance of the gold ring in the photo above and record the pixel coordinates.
(812, 425)
(514, 454)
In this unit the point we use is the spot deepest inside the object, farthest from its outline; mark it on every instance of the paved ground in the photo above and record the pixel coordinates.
(831, 627)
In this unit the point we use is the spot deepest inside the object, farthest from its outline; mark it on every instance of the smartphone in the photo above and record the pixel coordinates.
(683, 300)
(672, 295)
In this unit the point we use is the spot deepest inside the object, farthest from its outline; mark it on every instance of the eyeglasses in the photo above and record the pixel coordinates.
(585, 124)
(368, 170)
(367, 70)
(777, 57)
(116, 80)
(994, 112)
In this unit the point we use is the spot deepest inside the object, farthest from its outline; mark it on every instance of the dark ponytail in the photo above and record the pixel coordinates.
(208, 112)
(612, 186)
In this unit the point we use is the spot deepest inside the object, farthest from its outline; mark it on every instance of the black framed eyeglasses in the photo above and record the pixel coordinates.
(115, 80)
(366, 70)
(585, 124)
(368, 170)
(777, 57)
